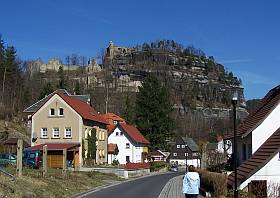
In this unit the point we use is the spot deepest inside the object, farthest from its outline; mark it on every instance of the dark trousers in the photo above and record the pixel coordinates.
(191, 195)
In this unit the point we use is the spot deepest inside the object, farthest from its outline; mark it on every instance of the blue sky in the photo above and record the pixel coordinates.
(243, 35)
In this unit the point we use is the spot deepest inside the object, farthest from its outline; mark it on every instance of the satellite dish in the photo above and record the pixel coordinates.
(34, 137)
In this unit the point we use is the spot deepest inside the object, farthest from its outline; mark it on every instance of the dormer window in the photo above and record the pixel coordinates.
(178, 146)
(117, 133)
(52, 112)
(115, 122)
(61, 112)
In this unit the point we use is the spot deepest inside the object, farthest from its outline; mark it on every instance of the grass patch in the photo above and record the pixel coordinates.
(55, 184)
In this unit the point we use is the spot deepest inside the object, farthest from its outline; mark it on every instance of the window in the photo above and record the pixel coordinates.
(127, 159)
(115, 122)
(68, 132)
(127, 145)
(55, 132)
(183, 146)
(117, 133)
(44, 133)
(195, 154)
(178, 146)
(121, 133)
(186, 154)
(174, 154)
(51, 113)
(60, 112)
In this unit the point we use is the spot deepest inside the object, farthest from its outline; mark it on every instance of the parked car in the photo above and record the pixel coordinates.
(6, 159)
(32, 158)
(174, 168)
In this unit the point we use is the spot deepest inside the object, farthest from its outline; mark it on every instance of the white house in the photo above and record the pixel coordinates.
(131, 144)
(258, 147)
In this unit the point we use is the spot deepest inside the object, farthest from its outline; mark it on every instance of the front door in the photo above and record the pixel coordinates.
(127, 159)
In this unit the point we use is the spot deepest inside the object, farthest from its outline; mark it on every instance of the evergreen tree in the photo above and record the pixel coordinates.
(153, 109)
(129, 111)
(12, 78)
(2, 66)
(47, 89)
(77, 88)
(91, 154)
(62, 82)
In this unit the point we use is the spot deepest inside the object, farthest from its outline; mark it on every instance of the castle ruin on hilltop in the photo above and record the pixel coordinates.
(54, 64)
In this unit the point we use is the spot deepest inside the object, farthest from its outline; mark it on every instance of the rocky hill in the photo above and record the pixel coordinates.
(200, 87)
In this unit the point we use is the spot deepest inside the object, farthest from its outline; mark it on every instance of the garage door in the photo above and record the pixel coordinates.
(55, 161)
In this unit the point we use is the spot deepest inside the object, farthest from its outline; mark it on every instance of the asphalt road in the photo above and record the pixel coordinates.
(148, 187)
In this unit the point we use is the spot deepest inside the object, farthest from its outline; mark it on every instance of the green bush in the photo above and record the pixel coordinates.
(115, 162)
(156, 166)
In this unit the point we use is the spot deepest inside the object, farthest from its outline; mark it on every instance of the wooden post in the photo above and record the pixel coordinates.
(64, 161)
(45, 155)
(19, 158)
(76, 159)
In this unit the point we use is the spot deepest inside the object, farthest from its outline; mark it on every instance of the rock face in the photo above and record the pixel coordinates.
(201, 88)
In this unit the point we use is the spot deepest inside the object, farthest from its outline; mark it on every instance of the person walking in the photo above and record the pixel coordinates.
(191, 183)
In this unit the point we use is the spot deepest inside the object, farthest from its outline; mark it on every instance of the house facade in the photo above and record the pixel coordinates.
(132, 145)
(259, 146)
(64, 119)
(185, 150)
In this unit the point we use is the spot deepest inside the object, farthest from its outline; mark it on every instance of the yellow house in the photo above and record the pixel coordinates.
(61, 119)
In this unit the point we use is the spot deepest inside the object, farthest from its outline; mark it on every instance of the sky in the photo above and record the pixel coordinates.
(242, 35)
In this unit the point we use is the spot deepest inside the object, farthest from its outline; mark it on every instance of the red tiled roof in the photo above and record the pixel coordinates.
(111, 117)
(110, 129)
(55, 146)
(133, 166)
(134, 133)
(265, 152)
(82, 108)
(113, 149)
(264, 107)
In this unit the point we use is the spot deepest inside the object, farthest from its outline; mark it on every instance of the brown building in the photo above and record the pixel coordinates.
(185, 150)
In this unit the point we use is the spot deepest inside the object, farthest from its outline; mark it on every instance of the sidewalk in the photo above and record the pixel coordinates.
(174, 188)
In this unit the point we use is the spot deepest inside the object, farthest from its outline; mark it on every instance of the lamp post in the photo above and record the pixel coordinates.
(234, 103)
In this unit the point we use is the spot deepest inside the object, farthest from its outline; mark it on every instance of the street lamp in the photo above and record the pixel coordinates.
(234, 103)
